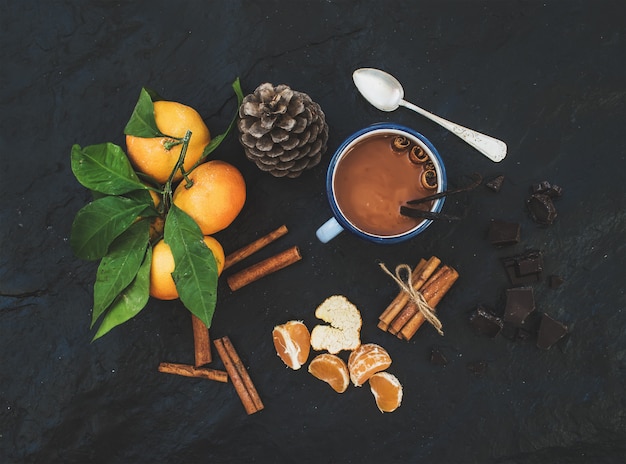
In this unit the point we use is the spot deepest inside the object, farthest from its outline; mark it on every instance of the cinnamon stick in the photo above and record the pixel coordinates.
(238, 375)
(434, 297)
(411, 308)
(201, 342)
(422, 272)
(190, 371)
(264, 268)
(253, 247)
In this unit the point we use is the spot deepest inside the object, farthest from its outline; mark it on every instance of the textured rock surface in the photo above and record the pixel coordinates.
(546, 77)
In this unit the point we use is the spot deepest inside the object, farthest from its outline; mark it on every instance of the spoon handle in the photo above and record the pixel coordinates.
(493, 149)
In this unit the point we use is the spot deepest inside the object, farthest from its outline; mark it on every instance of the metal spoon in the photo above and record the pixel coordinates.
(386, 93)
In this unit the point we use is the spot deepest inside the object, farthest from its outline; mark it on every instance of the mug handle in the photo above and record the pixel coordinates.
(329, 230)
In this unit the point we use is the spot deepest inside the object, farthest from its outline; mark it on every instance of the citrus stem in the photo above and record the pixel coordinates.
(167, 189)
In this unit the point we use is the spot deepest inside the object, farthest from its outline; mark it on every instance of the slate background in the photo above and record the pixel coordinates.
(547, 77)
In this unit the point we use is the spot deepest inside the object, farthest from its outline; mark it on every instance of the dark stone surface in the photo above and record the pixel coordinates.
(547, 77)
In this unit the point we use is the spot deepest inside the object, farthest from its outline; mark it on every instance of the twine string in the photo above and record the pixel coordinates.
(414, 295)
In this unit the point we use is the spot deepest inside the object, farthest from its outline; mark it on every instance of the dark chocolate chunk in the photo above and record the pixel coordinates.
(541, 208)
(495, 184)
(484, 322)
(530, 263)
(542, 187)
(477, 368)
(550, 332)
(437, 357)
(503, 233)
(556, 281)
(525, 268)
(520, 303)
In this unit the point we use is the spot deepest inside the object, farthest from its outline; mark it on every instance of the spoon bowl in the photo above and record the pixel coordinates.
(386, 93)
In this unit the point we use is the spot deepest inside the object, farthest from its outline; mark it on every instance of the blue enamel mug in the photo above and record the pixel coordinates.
(339, 222)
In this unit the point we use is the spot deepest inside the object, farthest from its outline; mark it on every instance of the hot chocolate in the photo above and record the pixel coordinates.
(377, 176)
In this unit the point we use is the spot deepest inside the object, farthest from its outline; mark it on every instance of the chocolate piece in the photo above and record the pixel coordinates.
(477, 368)
(495, 184)
(503, 233)
(520, 303)
(556, 281)
(542, 187)
(437, 357)
(541, 208)
(554, 191)
(550, 332)
(484, 322)
(525, 268)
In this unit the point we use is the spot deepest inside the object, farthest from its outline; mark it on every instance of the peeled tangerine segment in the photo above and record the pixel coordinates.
(331, 369)
(292, 341)
(387, 391)
(365, 361)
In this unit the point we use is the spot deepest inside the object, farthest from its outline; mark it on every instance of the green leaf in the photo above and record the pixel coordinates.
(195, 272)
(120, 266)
(104, 168)
(98, 223)
(217, 140)
(142, 122)
(131, 301)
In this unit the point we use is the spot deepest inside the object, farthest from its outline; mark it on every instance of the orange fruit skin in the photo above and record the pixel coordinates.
(365, 361)
(387, 391)
(292, 341)
(151, 156)
(215, 198)
(162, 284)
(331, 369)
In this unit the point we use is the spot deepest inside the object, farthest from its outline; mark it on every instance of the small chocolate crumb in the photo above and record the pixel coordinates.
(542, 187)
(503, 233)
(556, 281)
(554, 191)
(550, 332)
(520, 302)
(484, 322)
(437, 357)
(541, 208)
(477, 368)
(495, 184)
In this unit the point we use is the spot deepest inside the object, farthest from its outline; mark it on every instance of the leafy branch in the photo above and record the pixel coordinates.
(117, 227)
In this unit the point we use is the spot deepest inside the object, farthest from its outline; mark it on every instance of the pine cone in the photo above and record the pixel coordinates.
(283, 131)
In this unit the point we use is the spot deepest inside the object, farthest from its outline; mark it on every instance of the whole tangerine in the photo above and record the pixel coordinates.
(216, 195)
(157, 156)
(162, 284)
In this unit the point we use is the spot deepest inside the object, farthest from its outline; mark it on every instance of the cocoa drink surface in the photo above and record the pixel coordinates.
(372, 181)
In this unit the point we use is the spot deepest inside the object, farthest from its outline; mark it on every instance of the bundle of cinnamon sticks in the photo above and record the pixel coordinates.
(433, 280)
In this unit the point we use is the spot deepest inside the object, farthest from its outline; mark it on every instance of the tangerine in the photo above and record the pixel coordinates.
(387, 391)
(331, 369)
(162, 284)
(157, 156)
(292, 341)
(216, 195)
(365, 361)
